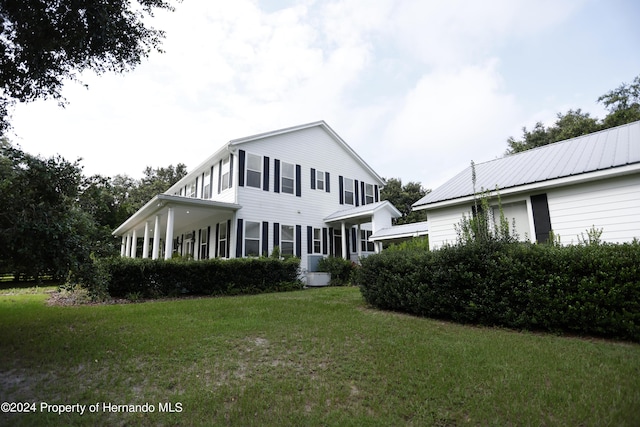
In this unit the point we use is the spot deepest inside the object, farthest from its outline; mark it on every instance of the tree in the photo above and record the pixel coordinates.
(623, 104)
(154, 182)
(568, 125)
(403, 197)
(42, 228)
(42, 43)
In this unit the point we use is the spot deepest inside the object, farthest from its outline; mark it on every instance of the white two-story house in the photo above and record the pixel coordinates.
(302, 189)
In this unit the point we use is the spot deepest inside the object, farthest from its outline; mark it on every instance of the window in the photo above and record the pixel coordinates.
(225, 174)
(365, 244)
(287, 239)
(206, 193)
(317, 241)
(204, 244)
(348, 191)
(288, 178)
(222, 240)
(320, 180)
(191, 190)
(254, 171)
(368, 194)
(252, 239)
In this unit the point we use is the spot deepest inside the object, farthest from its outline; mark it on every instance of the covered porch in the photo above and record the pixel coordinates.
(168, 224)
(349, 223)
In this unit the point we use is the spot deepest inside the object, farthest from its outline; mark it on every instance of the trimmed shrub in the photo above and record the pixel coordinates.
(586, 289)
(146, 278)
(341, 270)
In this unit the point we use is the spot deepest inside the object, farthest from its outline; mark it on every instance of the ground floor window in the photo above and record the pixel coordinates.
(204, 243)
(223, 236)
(317, 240)
(252, 239)
(287, 239)
(365, 244)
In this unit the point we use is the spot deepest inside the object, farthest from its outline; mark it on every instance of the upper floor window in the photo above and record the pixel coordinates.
(191, 190)
(288, 178)
(348, 191)
(368, 194)
(320, 180)
(206, 192)
(225, 174)
(254, 171)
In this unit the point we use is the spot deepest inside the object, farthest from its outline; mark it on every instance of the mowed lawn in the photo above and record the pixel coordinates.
(312, 357)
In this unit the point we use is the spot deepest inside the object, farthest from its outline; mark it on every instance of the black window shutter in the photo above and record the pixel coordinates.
(363, 196)
(228, 237)
(298, 241)
(276, 234)
(541, 218)
(375, 193)
(313, 179)
(208, 242)
(341, 189)
(276, 175)
(265, 238)
(216, 253)
(298, 181)
(202, 187)
(230, 171)
(326, 182)
(239, 234)
(309, 239)
(196, 194)
(241, 166)
(265, 174)
(357, 193)
(220, 177)
(354, 240)
(324, 240)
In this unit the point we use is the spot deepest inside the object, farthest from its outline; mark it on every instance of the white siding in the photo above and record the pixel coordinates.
(441, 225)
(612, 205)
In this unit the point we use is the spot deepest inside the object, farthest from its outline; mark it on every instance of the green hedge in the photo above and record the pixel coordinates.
(590, 290)
(145, 278)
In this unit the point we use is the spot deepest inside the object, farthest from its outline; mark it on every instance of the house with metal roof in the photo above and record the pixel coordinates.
(569, 187)
(302, 189)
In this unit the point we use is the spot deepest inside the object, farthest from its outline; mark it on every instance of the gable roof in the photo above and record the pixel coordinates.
(363, 213)
(229, 146)
(415, 229)
(599, 151)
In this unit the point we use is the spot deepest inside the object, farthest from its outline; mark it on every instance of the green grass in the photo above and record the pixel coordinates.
(313, 357)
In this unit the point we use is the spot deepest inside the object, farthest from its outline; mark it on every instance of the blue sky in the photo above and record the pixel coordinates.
(418, 88)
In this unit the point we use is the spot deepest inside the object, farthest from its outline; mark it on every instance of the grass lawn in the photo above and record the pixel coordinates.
(312, 357)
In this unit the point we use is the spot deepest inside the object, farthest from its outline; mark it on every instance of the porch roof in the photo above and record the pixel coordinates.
(362, 214)
(401, 231)
(187, 210)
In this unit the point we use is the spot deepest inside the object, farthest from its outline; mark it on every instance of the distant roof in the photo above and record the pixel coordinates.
(363, 213)
(606, 149)
(401, 231)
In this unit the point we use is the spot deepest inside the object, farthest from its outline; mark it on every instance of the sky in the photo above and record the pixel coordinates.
(418, 88)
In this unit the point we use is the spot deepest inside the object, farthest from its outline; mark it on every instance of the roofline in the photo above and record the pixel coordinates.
(539, 185)
(161, 200)
(374, 209)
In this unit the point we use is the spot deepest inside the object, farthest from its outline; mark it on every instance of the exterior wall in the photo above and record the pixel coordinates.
(612, 205)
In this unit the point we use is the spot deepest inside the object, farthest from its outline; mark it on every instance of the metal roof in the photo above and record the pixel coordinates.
(606, 149)
(401, 231)
(362, 213)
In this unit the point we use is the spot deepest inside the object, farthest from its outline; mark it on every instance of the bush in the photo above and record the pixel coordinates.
(146, 278)
(585, 289)
(341, 270)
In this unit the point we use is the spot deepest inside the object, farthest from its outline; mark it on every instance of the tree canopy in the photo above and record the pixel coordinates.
(623, 104)
(42, 43)
(403, 197)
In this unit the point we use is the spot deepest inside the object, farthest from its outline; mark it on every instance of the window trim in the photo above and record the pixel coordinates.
(365, 244)
(283, 177)
(317, 241)
(283, 240)
(253, 239)
(320, 180)
(349, 191)
(368, 199)
(225, 170)
(248, 169)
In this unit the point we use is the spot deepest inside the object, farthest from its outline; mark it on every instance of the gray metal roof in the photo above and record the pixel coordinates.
(606, 149)
(401, 231)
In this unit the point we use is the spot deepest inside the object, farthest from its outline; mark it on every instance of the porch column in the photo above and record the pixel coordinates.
(123, 246)
(344, 240)
(145, 244)
(168, 240)
(156, 238)
(127, 251)
(378, 247)
(134, 244)
(359, 242)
